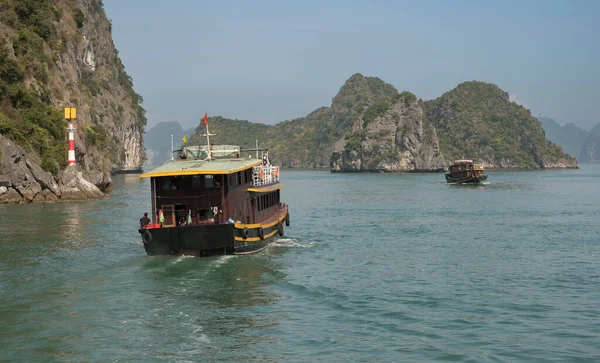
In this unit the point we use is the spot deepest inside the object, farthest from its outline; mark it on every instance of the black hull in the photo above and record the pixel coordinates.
(465, 180)
(212, 239)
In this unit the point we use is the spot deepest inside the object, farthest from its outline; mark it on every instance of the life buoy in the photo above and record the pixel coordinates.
(147, 236)
(276, 172)
(215, 210)
(245, 232)
(261, 173)
(280, 228)
(287, 219)
(261, 233)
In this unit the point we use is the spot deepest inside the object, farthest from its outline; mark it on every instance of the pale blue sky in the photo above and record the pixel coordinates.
(269, 61)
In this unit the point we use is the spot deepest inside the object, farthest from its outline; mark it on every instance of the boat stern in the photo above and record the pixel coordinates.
(190, 240)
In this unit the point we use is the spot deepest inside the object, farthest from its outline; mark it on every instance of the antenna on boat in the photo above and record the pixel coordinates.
(205, 121)
(257, 148)
(172, 147)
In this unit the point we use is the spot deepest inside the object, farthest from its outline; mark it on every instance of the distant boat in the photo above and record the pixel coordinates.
(465, 172)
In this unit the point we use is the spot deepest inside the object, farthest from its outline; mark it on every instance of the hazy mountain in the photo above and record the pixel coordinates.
(569, 137)
(590, 151)
(157, 141)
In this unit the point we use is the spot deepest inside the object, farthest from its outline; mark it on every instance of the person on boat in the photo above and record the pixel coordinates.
(144, 221)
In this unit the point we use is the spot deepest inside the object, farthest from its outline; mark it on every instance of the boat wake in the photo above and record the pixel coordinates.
(292, 243)
(180, 259)
(221, 260)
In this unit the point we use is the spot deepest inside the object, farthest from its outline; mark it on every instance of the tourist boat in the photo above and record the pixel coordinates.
(464, 171)
(215, 199)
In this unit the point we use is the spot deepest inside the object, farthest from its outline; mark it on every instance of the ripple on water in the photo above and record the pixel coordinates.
(382, 268)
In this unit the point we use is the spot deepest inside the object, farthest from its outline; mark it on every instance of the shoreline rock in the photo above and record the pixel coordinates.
(23, 181)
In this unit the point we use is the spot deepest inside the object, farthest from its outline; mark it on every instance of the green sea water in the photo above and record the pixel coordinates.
(374, 268)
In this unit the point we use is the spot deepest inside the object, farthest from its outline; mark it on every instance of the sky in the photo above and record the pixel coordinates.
(270, 61)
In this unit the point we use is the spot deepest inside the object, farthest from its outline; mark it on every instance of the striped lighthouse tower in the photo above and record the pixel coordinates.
(70, 114)
(71, 156)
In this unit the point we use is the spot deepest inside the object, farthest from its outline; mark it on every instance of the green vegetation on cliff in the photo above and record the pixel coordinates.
(371, 124)
(42, 45)
(26, 116)
(308, 141)
(478, 119)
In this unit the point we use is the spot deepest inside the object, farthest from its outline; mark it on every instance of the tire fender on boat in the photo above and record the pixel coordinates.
(147, 236)
(287, 219)
(261, 233)
(245, 235)
(280, 228)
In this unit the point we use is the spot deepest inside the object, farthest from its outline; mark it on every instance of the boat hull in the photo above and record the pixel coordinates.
(465, 180)
(212, 239)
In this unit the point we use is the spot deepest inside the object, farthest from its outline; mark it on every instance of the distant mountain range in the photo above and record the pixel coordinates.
(157, 141)
(577, 142)
(370, 126)
(590, 151)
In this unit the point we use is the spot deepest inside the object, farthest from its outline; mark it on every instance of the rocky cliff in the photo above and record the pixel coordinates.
(590, 151)
(395, 140)
(371, 127)
(23, 180)
(56, 54)
(478, 119)
(388, 133)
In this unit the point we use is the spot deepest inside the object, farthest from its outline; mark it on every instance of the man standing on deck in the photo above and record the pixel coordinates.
(144, 220)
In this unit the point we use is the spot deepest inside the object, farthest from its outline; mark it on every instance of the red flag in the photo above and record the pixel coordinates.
(205, 120)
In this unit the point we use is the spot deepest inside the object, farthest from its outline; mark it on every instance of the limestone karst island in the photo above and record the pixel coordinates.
(56, 56)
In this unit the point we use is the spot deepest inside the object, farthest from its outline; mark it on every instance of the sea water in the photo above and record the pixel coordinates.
(374, 267)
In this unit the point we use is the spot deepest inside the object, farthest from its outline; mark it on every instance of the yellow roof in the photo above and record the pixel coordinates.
(202, 167)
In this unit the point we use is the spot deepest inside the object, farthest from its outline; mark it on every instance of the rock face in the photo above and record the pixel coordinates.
(371, 127)
(590, 152)
(75, 187)
(390, 138)
(380, 128)
(23, 181)
(110, 119)
(61, 54)
(479, 119)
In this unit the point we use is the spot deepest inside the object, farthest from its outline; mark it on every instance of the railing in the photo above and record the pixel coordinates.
(264, 175)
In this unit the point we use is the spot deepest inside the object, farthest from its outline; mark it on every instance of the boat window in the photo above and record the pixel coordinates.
(208, 181)
(197, 181)
(167, 183)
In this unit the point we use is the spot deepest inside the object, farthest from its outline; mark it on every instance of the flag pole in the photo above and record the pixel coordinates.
(208, 142)
(207, 137)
